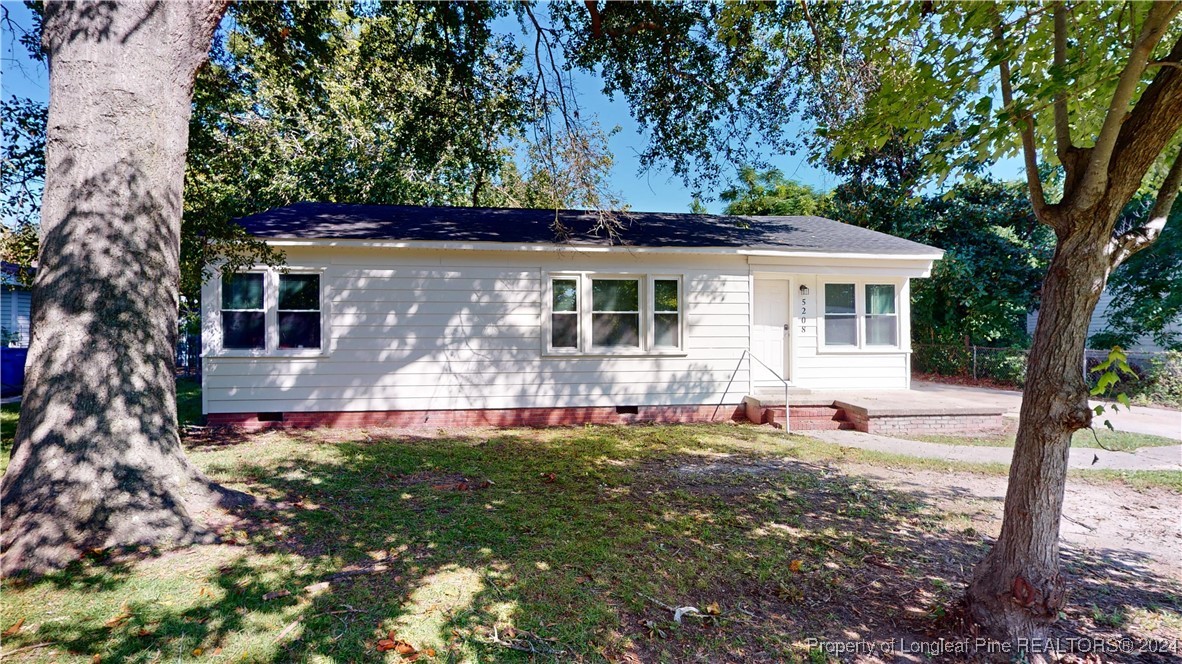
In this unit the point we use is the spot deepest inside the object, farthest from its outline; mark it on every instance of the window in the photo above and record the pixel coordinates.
(243, 314)
(882, 327)
(666, 319)
(271, 312)
(564, 314)
(615, 312)
(299, 311)
(841, 315)
(859, 315)
(605, 314)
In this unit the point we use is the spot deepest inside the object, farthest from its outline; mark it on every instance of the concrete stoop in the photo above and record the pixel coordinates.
(875, 416)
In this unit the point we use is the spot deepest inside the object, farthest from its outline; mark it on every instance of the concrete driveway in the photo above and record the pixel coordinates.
(1140, 419)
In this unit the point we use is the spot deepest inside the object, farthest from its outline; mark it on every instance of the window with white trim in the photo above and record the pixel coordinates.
(243, 311)
(615, 313)
(666, 313)
(271, 312)
(841, 315)
(607, 314)
(564, 313)
(882, 321)
(299, 311)
(860, 315)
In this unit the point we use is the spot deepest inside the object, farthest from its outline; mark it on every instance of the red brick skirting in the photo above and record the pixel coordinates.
(508, 417)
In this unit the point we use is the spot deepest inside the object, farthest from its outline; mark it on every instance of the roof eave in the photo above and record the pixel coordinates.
(935, 254)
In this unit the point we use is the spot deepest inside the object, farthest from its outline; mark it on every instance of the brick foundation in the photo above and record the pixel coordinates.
(508, 417)
(951, 424)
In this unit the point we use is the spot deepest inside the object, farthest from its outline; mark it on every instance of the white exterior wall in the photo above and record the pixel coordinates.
(817, 366)
(418, 329)
(437, 330)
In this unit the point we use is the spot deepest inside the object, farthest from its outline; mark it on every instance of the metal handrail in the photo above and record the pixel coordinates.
(747, 354)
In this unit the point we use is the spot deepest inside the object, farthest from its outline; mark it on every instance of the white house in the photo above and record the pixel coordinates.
(417, 315)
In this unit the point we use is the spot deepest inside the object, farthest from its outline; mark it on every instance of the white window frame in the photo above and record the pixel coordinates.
(271, 316)
(861, 346)
(647, 304)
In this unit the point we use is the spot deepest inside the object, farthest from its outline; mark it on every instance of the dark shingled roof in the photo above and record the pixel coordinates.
(339, 221)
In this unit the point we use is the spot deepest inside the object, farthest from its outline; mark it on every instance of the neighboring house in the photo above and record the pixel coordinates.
(398, 315)
(15, 307)
(15, 317)
(1099, 323)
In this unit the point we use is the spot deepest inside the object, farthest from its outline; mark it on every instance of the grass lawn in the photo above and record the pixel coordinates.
(1121, 441)
(551, 545)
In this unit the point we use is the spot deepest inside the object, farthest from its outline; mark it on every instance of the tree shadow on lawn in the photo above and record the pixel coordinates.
(572, 549)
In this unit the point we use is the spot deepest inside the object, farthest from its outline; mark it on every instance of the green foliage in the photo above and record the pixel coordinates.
(392, 103)
(1147, 292)
(995, 255)
(1164, 383)
(714, 85)
(770, 193)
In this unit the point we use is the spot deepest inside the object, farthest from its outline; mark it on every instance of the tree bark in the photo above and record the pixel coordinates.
(97, 460)
(1018, 590)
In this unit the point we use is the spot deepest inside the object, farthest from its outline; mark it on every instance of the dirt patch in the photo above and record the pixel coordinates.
(1145, 524)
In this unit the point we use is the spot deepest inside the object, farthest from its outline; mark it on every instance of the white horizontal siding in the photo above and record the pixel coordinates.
(418, 330)
(815, 367)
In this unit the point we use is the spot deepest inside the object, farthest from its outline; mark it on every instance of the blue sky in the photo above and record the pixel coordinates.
(655, 190)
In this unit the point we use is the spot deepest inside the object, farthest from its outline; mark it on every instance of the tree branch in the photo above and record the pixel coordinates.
(1062, 119)
(1095, 178)
(1026, 125)
(1137, 239)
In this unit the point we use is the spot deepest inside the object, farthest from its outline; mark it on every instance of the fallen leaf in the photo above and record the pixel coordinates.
(217, 651)
(96, 659)
(197, 652)
(142, 632)
(16, 627)
(430, 652)
(403, 648)
(276, 594)
(713, 609)
(549, 478)
(795, 565)
(385, 644)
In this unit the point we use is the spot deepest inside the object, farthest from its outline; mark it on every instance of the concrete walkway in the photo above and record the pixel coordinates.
(1140, 419)
(1145, 458)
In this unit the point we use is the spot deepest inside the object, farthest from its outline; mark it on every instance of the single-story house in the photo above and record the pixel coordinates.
(404, 315)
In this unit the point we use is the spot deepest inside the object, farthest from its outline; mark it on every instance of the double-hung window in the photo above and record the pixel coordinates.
(862, 317)
(666, 313)
(608, 314)
(615, 313)
(243, 311)
(564, 314)
(267, 311)
(299, 311)
(882, 322)
(841, 315)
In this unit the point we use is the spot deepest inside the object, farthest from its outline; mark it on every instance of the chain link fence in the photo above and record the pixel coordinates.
(1007, 366)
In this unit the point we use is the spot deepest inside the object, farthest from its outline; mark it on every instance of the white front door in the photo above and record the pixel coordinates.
(770, 331)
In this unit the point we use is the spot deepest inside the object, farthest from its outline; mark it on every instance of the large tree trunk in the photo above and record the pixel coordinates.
(97, 461)
(1017, 590)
